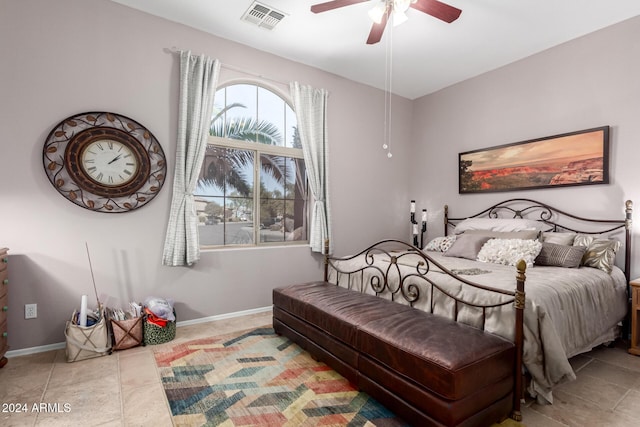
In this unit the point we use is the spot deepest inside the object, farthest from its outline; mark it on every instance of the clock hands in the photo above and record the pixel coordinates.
(117, 158)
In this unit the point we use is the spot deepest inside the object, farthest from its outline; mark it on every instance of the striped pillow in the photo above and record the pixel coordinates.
(555, 255)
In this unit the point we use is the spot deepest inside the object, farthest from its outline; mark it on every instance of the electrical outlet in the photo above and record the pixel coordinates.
(30, 311)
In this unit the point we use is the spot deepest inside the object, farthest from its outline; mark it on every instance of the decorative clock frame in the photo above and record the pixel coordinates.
(65, 147)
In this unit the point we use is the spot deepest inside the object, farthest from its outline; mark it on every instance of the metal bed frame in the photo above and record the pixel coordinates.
(556, 220)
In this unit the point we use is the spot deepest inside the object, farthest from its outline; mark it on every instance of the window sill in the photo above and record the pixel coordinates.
(304, 245)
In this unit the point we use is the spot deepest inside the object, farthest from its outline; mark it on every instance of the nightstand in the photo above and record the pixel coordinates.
(635, 317)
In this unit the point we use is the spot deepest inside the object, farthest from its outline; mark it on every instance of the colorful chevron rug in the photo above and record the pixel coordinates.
(257, 378)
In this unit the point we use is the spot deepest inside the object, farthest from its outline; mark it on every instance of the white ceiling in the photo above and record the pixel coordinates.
(427, 53)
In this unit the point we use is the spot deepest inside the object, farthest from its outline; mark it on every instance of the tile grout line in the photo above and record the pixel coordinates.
(152, 353)
(624, 396)
(587, 363)
(612, 365)
(46, 385)
(122, 416)
(547, 417)
(588, 400)
(611, 410)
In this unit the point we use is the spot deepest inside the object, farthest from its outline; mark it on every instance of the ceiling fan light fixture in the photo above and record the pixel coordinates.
(401, 5)
(377, 12)
(384, 10)
(399, 17)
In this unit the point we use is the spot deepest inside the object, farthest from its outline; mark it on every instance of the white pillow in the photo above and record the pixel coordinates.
(498, 224)
(525, 234)
(510, 251)
(558, 238)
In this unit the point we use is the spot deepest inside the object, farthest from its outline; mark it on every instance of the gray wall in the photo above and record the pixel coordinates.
(71, 56)
(588, 82)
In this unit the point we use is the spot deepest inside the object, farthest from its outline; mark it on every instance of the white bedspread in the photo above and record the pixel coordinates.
(568, 310)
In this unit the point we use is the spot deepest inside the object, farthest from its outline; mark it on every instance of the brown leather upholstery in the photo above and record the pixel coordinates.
(429, 370)
(452, 359)
(335, 310)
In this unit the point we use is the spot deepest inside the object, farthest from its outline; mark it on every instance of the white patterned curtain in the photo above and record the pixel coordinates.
(311, 111)
(198, 80)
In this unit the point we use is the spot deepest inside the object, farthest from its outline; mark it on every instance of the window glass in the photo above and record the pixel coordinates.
(291, 131)
(252, 188)
(271, 110)
(224, 196)
(283, 201)
(241, 112)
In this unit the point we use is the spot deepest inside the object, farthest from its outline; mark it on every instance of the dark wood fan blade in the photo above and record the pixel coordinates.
(437, 10)
(335, 4)
(377, 29)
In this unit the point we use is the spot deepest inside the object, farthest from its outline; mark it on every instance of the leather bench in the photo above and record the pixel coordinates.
(429, 370)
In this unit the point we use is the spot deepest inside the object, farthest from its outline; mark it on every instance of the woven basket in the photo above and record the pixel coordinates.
(127, 333)
(154, 334)
(86, 342)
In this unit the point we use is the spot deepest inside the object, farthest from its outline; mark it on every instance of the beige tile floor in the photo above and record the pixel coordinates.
(124, 389)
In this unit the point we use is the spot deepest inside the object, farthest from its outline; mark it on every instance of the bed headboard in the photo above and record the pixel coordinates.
(556, 220)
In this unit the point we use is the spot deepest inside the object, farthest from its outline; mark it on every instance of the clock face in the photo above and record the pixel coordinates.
(109, 162)
(104, 162)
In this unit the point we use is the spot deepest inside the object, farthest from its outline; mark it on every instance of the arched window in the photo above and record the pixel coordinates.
(252, 188)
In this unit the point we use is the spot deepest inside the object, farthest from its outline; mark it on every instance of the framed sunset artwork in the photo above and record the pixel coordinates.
(576, 158)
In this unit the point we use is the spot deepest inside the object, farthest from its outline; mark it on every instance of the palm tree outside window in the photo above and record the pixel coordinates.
(252, 188)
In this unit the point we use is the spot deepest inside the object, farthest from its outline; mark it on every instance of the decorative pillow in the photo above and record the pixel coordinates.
(527, 235)
(466, 246)
(498, 224)
(440, 244)
(558, 238)
(510, 251)
(555, 255)
(583, 240)
(601, 253)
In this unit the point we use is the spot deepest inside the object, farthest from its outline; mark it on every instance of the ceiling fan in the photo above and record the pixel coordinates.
(384, 9)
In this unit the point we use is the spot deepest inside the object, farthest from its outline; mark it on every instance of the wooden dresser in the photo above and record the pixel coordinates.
(4, 303)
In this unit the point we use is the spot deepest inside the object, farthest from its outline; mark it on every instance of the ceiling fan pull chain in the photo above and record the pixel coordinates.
(388, 89)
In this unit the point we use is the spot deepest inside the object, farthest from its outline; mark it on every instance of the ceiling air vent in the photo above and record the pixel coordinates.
(263, 16)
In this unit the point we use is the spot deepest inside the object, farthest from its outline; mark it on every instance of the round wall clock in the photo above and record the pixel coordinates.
(104, 162)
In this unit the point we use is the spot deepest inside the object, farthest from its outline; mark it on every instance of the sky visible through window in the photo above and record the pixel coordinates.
(262, 105)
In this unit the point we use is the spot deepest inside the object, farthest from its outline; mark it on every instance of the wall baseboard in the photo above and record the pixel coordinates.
(61, 345)
(223, 316)
(33, 350)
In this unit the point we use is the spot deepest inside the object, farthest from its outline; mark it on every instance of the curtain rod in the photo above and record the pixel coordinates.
(174, 50)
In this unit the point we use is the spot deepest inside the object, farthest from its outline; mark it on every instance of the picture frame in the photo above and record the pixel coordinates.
(568, 159)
